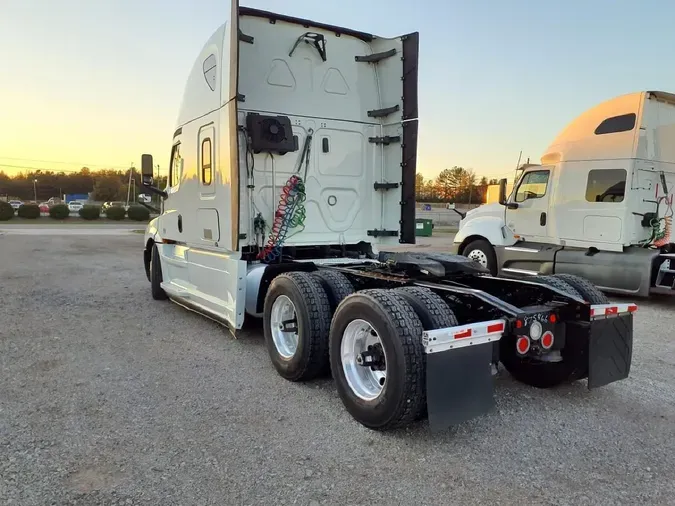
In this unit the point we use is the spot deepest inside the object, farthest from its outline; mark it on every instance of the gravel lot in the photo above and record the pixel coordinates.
(108, 397)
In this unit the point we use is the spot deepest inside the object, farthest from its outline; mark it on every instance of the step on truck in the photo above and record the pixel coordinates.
(292, 176)
(600, 204)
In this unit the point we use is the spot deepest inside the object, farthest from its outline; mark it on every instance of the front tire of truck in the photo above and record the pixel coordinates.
(156, 275)
(378, 327)
(482, 252)
(296, 323)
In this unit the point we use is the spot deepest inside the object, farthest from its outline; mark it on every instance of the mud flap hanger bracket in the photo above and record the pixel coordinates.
(316, 39)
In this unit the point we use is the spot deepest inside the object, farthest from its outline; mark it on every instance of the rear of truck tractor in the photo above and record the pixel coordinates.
(421, 335)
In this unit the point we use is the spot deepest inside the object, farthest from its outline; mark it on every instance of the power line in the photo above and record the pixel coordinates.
(56, 171)
(64, 163)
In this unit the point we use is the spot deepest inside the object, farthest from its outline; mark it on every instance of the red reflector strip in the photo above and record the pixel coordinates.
(607, 310)
(463, 334)
(495, 327)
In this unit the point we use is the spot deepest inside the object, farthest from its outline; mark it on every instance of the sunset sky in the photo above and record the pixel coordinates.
(97, 83)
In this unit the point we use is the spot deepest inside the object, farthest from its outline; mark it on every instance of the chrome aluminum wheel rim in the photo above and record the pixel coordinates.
(284, 326)
(366, 382)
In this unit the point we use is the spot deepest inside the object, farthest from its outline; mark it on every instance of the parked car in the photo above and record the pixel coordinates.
(44, 207)
(16, 204)
(75, 206)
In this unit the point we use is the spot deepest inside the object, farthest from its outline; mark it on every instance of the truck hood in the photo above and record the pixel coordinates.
(495, 209)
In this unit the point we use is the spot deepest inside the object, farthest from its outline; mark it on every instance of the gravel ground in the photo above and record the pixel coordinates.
(108, 397)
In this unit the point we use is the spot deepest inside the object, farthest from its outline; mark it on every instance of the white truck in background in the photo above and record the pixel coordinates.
(292, 170)
(600, 205)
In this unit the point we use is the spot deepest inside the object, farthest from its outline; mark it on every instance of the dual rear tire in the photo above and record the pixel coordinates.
(573, 364)
(371, 341)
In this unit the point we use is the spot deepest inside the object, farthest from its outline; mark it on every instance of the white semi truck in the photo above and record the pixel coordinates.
(600, 205)
(292, 171)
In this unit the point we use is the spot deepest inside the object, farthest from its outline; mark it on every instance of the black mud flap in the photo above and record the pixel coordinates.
(610, 350)
(459, 385)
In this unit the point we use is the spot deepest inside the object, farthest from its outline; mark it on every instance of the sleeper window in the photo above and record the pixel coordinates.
(616, 124)
(532, 185)
(606, 185)
(207, 169)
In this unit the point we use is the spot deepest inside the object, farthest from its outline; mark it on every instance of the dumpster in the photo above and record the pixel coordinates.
(423, 227)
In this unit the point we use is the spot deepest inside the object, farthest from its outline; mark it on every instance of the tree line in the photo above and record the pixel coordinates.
(104, 185)
(457, 185)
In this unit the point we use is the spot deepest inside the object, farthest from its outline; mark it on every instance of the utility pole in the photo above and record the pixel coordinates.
(131, 170)
(35, 190)
(156, 183)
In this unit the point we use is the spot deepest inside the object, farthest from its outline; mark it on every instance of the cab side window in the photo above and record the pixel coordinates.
(532, 185)
(176, 166)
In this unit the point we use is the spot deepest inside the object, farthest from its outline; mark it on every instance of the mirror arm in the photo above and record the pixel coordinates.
(156, 191)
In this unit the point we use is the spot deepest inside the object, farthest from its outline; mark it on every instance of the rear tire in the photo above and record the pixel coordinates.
(558, 283)
(398, 329)
(430, 308)
(588, 291)
(300, 352)
(541, 374)
(336, 285)
(482, 252)
(156, 277)
(432, 311)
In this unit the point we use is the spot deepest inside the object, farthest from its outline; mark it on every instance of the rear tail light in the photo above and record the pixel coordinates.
(547, 340)
(523, 345)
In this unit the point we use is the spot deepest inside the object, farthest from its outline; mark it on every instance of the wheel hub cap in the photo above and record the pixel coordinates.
(284, 326)
(478, 256)
(363, 360)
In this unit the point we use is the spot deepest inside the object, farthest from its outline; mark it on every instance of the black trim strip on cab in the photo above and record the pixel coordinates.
(273, 17)
(411, 43)
(178, 132)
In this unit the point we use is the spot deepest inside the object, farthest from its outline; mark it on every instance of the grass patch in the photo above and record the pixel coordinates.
(445, 230)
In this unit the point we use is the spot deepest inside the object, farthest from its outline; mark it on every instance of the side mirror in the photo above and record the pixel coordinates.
(147, 173)
(502, 191)
(147, 170)
(502, 195)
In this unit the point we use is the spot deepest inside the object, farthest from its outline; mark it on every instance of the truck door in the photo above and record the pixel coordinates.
(528, 207)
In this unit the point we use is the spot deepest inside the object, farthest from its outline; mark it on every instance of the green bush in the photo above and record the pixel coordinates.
(59, 212)
(30, 211)
(90, 212)
(115, 213)
(6, 211)
(138, 213)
